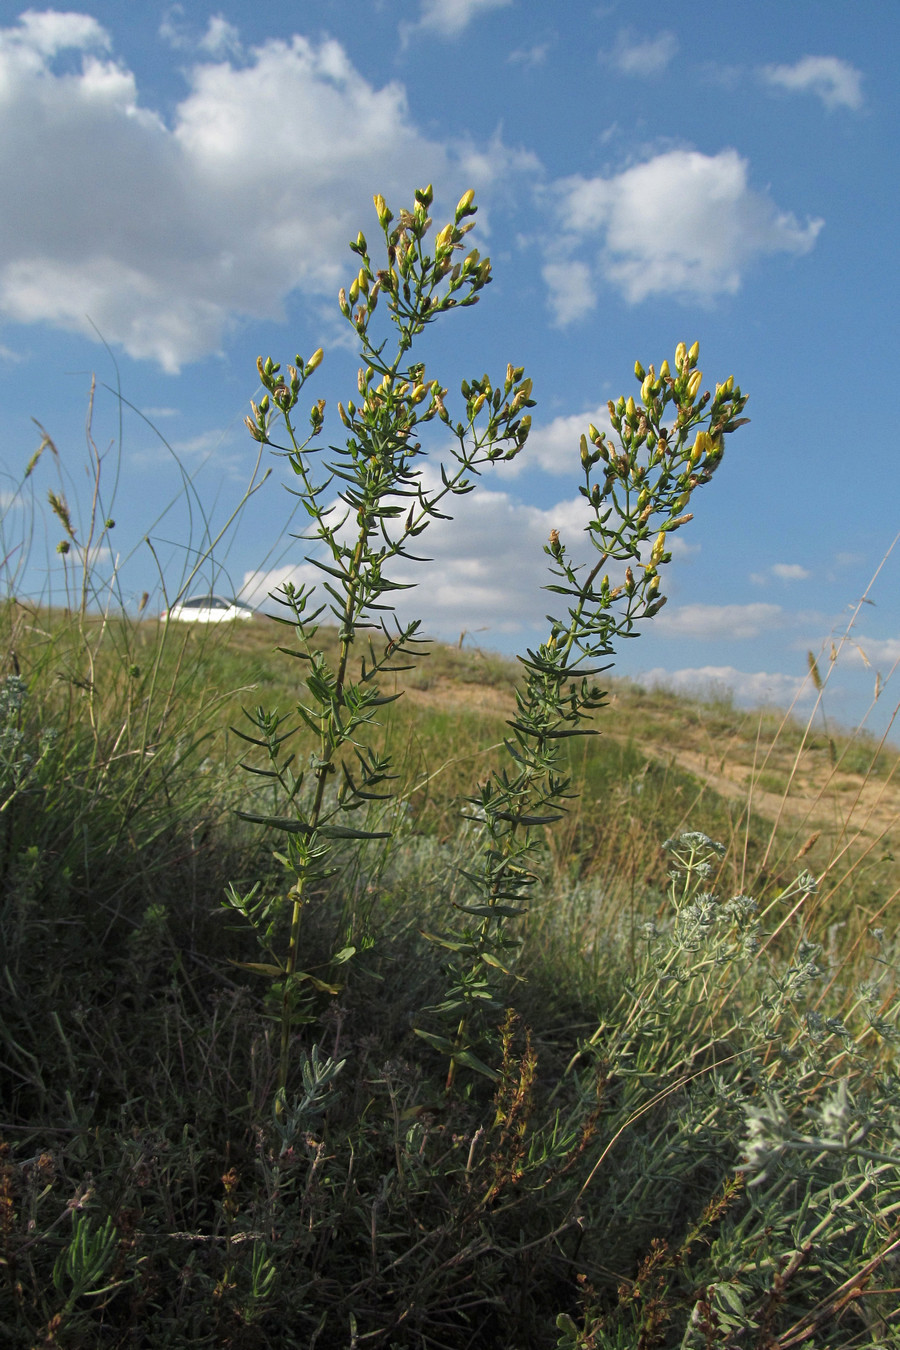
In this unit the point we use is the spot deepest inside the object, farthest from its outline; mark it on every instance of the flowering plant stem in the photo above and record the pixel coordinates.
(638, 483)
(365, 506)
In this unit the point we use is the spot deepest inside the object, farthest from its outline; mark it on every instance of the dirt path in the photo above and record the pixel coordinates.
(820, 798)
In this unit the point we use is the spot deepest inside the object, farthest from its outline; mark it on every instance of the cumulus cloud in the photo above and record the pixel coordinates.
(43, 35)
(748, 688)
(166, 235)
(486, 568)
(781, 572)
(719, 621)
(572, 291)
(449, 18)
(835, 82)
(555, 446)
(886, 651)
(643, 56)
(682, 223)
(221, 37)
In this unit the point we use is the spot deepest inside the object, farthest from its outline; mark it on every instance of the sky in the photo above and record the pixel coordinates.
(180, 186)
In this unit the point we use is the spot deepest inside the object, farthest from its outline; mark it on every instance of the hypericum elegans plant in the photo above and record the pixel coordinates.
(638, 487)
(366, 504)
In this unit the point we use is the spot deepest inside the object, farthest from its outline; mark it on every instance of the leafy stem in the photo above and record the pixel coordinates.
(365, 507)
(637, 481)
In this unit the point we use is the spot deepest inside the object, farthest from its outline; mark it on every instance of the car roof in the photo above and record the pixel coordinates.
(200, 600)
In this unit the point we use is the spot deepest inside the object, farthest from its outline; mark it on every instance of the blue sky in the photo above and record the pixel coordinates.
(182, 181)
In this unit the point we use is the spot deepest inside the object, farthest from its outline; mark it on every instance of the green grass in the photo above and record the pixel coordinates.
(589, 1197)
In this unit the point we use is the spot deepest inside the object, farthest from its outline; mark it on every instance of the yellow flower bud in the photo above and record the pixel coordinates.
(694, 384)
(630, 408)
(478, 404)
(693, 354)
(464, 206)
(315, 360)
(419, 393)
(647, 389)
(680, 355)
(639, 371)
(701, 446)
(664, 371)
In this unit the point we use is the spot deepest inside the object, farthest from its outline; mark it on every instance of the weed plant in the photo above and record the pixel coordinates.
(658, 1109)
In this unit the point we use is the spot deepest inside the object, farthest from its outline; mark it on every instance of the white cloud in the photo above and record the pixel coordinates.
(719, 621)
(643, 56)
(221, 37)
(835, 82)
(529, 57)
(682, 223)
(555, 446)
(885, 651)
(486, 568)
(173, 29)
(791, 572)
(449, 18)
(165, 236)
(781, 572)
(572, 291)
(42, 35)
(748, 688)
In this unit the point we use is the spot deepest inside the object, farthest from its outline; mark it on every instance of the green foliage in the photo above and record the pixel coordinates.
(384, 503)
(647, 483)
(672, 1115)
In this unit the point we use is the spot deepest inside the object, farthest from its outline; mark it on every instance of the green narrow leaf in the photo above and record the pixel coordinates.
(471, 1061)
(490, 960)
(438, 1042)
(345, 832)
(286, 823)
(446, 942)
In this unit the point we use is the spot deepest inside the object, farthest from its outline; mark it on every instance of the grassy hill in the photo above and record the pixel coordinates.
(676, 1125)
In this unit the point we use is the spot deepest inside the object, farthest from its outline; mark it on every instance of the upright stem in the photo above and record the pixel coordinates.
(286, 1018)
(325, 761)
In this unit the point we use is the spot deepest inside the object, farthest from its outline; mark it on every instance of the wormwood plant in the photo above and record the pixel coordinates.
(638, 484)
(791, 1238)
(367, 504)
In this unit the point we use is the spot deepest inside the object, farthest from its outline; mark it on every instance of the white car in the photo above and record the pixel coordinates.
(207, 609)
